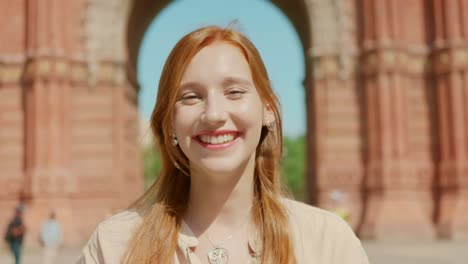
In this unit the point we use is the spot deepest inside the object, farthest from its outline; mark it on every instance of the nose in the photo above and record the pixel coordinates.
(214, 113)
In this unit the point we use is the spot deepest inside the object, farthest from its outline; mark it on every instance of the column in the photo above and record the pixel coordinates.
(450, 64)
(399, 195)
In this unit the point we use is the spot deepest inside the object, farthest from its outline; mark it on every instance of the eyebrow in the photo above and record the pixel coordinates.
(189, 85)
(226, 82)
(235, 80)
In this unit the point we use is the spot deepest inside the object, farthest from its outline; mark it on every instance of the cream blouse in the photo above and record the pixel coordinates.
(319, 237)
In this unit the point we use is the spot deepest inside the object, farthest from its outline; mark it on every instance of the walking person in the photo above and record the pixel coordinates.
(15, 233)
(51, 238)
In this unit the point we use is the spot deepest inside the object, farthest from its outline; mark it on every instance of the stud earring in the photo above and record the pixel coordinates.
(271, 126)
(174, 141)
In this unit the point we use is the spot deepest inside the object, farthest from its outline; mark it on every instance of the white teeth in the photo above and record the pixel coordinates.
(214, 140)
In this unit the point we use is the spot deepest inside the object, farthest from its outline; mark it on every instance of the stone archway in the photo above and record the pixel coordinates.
(76, 116)
(386, 104)
(142, 14)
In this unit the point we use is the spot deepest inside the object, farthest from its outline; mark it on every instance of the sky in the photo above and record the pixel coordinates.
(261, 21)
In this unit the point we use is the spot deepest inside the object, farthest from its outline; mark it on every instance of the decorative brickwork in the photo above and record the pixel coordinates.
(68, 137)
(386, 90)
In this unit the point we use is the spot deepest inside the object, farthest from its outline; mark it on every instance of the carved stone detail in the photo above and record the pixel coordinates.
(10, 73)
(334, 34)
(105, 25)
(395, 60)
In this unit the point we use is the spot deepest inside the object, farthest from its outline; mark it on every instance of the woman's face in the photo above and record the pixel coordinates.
(219, 115)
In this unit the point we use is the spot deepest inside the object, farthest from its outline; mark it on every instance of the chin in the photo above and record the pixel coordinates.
(222, 166)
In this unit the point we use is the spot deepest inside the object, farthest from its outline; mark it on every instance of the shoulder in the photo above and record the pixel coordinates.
(122, 222)
(302, 212)
(322, 235)
(109, 240)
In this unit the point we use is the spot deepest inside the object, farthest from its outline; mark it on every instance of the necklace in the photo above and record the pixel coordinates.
(218, 254)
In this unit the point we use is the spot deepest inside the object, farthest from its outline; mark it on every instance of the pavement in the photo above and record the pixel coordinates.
(440, 252)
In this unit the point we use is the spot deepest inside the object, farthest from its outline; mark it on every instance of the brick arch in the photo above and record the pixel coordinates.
(140, 16)
(142, 13)
(385, 99)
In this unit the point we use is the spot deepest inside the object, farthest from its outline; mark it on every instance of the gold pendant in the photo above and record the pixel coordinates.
(218, 255)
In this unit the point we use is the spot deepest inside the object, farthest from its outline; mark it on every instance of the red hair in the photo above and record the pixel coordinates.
(164, 204)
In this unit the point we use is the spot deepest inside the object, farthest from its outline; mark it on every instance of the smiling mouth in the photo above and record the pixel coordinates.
(217, 139)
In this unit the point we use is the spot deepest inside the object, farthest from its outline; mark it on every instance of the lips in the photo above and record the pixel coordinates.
(217, 138)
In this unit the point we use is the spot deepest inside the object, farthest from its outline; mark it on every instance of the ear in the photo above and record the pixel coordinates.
(268, 115)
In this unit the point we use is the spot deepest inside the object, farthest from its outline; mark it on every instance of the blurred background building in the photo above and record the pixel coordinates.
(386, 91)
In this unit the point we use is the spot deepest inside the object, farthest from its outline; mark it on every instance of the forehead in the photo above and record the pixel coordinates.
(215, 62)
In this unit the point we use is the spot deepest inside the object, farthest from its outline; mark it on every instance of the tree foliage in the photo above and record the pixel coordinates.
(151, 165)
(293, 165)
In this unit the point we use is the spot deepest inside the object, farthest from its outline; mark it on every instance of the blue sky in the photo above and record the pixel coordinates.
(261, 21)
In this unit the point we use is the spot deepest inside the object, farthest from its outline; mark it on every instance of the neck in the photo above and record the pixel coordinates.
(224, 204)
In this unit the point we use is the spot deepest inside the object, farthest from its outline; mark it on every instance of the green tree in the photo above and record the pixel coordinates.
(151, 165)
(293, 165)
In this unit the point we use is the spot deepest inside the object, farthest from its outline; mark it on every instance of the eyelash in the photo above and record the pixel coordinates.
(190, 96)
(233, 92)
(236, 92)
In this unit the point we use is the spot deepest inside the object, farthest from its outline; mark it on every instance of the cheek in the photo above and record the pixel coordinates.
(250, 112)
(184, 120)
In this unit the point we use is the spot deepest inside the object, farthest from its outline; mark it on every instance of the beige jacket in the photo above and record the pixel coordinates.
(320, 237)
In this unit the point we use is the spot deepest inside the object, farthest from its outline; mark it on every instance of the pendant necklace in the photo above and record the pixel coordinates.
(218, 254)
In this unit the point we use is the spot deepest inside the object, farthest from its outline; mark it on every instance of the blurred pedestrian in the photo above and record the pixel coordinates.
(15, 233)
(340, 204)
(51, 238)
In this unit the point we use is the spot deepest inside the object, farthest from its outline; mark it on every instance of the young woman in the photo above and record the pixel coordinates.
(219, 198)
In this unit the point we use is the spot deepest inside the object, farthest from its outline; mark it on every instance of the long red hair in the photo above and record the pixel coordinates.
(164, 204)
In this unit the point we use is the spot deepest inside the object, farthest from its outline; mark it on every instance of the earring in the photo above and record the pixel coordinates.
(271, 126)
(174, 141)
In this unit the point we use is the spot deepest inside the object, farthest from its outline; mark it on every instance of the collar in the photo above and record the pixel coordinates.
(188, 240)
